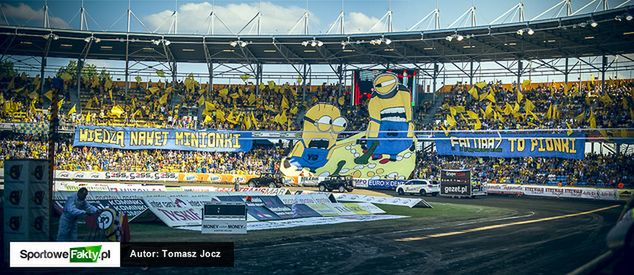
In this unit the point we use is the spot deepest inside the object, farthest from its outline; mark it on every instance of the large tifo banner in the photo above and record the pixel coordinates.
(163, 139)
(512, 145)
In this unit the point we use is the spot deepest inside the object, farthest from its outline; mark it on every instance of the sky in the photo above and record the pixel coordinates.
(278, 16)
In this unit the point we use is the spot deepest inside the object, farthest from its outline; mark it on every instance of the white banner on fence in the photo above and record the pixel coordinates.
(179, 208)
(330, 209)
(377, 200)
(554, 191)
(252, 226)
(116, 176)
(304, 198)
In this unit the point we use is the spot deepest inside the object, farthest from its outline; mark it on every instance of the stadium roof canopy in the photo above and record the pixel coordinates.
(572, 36)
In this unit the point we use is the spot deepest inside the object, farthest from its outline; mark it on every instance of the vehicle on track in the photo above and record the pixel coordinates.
(423, 187)
(271, 180)
(339, 183)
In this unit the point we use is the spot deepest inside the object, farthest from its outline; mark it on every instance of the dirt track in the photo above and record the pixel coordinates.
(547, 247)
(551, 247)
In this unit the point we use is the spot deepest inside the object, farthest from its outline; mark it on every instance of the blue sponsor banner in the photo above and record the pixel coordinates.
(384, 184)
(256, 207)
(163, 139)
(512, 145)
(303, 211)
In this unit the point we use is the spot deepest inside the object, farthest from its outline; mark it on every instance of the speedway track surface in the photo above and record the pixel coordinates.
(539, 236)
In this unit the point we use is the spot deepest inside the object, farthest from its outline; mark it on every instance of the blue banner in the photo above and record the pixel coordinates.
(384, 184)
(163, 139)
(512, 145)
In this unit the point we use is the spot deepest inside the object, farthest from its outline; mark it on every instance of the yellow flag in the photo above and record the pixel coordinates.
(255, 121)
(136, 113)
(520, 96)
(488, 111)
(499, 117)
(481, 84)
(507, 109)
(33, 95)
(474, 93)
(483, 96)
(72, 110)
(137, 79)
(230, 117)
(271, 84)
(452, 110)
(460, 109)
(95, 81)
(36, 82)
(472, 114)
(207, 119)
(451, 121)
(606, 99)
(59, 104)
(201, 100)
(247, 121)
(251, 98)
(209, 106)
(234, 95)
(478, 124)
(220, 115)
(526, 84)
(224, 92)
(444, 130)
(294, 110)
(163, 99)
(549, 113)
(341, 100)
(579, 117)
(569, 132)
(516, 108)
(153, 90)
(491, 96)
(11, 85)
(160, 73)
(108, 84)
(32, 106)
(531, 114)
(65, 76)
(529, 106)
(283, 118)
(592, 120)
(49, 95)
(116, 110)
(110, 94)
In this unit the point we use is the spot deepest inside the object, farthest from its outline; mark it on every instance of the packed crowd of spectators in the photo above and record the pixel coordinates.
(594, 170)
(184, 104)
(546, 106)
(189, 104)
(258, 160)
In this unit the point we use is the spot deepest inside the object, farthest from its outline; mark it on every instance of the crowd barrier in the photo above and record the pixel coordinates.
(73, 180)
(183, 209)
(561, 192)
(368, 183)
(61, 185)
